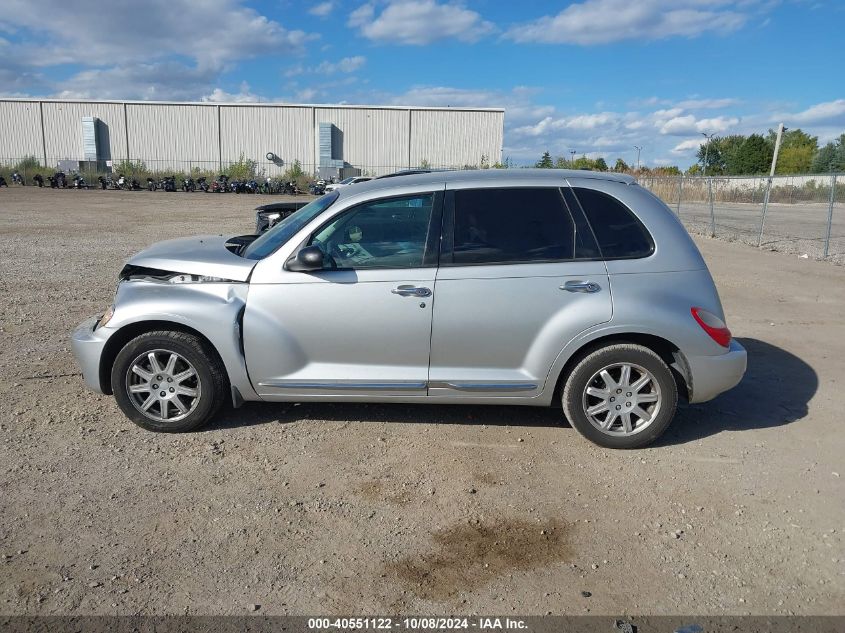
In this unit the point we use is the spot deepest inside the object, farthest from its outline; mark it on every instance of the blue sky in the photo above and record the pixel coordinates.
(596, 76)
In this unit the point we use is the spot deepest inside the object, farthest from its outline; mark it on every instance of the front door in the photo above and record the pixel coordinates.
(362, 326)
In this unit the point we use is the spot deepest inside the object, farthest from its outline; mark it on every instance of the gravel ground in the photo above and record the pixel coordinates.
(355, 509)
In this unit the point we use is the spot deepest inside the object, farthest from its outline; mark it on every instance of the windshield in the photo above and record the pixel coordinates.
(287, 228)
(346, 181)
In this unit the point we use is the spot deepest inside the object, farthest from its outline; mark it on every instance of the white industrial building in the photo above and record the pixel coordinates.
(181, 136)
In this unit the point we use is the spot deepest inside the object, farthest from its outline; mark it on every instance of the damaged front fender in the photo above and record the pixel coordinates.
(214, 310)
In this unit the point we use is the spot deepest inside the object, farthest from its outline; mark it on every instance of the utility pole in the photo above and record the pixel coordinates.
(572, 160)
(709, 137)
(769, 183)
(639, 149)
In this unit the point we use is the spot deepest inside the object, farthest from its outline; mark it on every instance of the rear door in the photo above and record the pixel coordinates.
(519, 277)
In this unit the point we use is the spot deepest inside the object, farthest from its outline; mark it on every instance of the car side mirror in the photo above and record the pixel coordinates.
(307, 259)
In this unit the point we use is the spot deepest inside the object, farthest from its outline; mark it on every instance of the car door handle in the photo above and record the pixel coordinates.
(581, 286)
(409, 291)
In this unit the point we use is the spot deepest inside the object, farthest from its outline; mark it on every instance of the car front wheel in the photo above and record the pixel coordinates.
(168, 381)
(621, 396)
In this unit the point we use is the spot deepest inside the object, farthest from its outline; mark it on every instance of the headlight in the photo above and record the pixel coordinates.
(194, 279)
(106, 317)
(274, 216)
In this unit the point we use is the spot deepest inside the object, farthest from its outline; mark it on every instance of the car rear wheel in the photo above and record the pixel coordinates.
(168, 381)
(621, 396)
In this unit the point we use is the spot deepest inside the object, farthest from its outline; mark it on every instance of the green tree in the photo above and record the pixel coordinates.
(667, 170)
(545, 162)
(242, 169)
(795, 160)
(729, 150)
(583, 163)
(710, 157)
(797, 150)
(600, 164)
(621, 165)
(754, 156)
(830, 157)
(561, 163)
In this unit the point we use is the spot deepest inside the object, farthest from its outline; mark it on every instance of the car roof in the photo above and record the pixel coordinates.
(552, 176)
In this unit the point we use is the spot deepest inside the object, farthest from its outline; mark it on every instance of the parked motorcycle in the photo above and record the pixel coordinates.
(202, 184)
(3, 182)
(18, 179)
(221, 185)
(79, 182)
(168, 183)
(38, 179)
(104, 184)
(317, 188)
(188, 184)
(60, 179)
(151, 184)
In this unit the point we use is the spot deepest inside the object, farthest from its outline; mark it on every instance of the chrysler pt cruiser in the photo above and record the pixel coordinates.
(517, 287)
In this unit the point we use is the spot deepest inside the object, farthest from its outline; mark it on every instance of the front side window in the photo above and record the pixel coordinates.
(271, 240)
(387, 233)
(510, 226)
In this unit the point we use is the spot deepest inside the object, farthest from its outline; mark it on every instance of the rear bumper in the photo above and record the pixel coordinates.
(87, 344)
(712, 375)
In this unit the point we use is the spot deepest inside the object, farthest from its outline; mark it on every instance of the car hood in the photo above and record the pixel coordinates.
(200, 255)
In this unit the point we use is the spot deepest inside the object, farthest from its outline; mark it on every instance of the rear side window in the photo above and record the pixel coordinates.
(509, 226)
(619, 233)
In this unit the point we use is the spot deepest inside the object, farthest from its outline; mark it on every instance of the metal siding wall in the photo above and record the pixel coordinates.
(256, 130)
(173, 136)
(63, 129)
(20, 131)
(455, 138)
(177, 136)
(374, 139)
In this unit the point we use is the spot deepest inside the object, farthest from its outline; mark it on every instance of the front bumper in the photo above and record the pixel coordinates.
(87, 345)
(712, 375)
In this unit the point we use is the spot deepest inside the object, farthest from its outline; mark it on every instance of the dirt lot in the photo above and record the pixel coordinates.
(352, 509)
(791, 228)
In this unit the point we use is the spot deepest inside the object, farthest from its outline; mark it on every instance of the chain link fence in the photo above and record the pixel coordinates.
(795, 214)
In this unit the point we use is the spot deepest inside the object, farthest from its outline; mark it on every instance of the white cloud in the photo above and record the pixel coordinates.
(829, 112)
(580, 122)
(212, 33)
(689, 124)
(322, 10)
(707, 104)
(362, 15)
(345, 65)
(221, 96)
(419, 22)
(603, 21)
(687, 147)
(159, 81)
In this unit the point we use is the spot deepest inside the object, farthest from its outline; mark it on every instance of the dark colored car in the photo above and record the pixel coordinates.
(267, 215)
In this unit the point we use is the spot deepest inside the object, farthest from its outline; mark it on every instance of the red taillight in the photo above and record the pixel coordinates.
(713, 325)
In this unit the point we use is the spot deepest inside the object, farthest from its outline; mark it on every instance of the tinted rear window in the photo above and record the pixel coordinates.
(504, 226)
(619, 233)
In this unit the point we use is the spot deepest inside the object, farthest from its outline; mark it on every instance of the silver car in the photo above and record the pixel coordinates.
(518, 287)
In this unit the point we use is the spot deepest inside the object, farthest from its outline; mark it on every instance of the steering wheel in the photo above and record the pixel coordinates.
(328, 257)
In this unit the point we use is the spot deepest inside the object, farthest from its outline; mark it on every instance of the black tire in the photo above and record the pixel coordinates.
(211, 381)
(574, 398)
